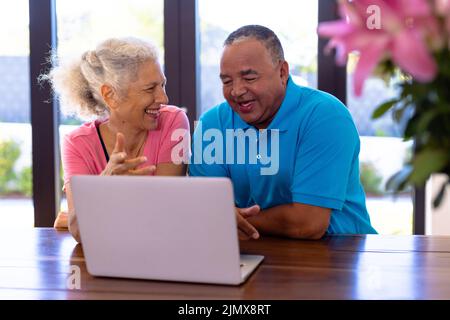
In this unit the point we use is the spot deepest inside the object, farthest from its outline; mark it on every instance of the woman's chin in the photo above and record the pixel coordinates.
(152, 125)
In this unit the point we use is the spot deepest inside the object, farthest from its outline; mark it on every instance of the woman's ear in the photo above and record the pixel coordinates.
(109, 96)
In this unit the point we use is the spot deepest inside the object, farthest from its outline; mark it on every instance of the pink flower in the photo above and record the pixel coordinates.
(442, 8)
(401, 36)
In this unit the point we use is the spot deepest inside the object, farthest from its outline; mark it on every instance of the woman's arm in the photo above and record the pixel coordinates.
(73, 224)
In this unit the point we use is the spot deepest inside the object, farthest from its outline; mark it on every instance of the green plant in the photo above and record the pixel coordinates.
(412, 42)
(25, 181)
(370, 178)
(9, 153)
(429, 126)
(380, 133)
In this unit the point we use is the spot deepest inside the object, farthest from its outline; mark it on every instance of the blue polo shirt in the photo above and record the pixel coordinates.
(308, 154)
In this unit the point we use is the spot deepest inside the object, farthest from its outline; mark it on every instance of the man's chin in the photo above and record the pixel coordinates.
(249, 119)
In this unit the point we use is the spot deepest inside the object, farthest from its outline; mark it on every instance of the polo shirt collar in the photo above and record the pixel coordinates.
(281, 119)
(239, 123)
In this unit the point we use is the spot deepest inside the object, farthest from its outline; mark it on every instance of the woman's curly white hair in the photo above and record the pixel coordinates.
(114, 62)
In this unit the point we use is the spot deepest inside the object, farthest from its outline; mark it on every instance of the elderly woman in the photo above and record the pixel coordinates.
(122, 85)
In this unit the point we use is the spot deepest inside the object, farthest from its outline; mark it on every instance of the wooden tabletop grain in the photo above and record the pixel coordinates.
(38, 264)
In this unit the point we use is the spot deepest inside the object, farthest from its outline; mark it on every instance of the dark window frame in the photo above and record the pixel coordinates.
(181, 56)
(44, 116)
(330, 78)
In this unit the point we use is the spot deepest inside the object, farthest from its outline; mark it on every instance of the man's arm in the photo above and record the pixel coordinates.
(295, 220)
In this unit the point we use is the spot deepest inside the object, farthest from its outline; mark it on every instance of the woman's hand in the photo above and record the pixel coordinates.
(61, 221)
(118, 163)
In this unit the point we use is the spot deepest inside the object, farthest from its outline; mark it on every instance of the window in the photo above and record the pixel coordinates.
(83, 24)
(294, 22)
(16, 205)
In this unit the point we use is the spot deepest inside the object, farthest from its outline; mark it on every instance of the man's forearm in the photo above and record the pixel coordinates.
(292, 220)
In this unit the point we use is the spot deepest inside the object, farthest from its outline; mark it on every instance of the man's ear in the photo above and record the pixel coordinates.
(284, 72)
(109, 95)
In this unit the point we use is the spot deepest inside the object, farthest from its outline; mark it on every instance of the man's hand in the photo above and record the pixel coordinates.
(246, 230)
(118, 163)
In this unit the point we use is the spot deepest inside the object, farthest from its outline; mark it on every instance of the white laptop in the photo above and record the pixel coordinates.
(160, 228)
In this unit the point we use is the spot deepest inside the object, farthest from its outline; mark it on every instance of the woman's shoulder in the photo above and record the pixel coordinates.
(170, 108)
(86, 130)
(172, 111)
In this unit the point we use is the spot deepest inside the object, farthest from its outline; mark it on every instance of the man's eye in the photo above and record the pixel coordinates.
(250, 79)
(150, 89)
(225, 83)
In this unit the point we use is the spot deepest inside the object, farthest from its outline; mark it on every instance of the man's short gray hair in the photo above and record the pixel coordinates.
(262, 34)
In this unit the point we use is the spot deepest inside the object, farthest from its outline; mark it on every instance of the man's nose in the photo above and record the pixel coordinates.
(238, 89)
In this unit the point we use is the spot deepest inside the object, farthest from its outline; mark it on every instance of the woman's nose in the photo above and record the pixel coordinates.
(161, 96)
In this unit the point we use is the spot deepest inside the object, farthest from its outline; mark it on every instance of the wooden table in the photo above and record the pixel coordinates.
(36, 264)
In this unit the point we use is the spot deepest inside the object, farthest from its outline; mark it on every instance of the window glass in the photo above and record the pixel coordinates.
(294, 22)
(383, 153)
(16, 204)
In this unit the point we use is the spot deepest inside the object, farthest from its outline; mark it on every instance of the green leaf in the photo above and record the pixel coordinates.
(426, 162)
(400, 110)
(382, 109)
(425, 120)
(411, 127)
(398, 180)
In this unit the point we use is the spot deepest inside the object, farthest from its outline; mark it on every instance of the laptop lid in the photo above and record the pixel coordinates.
(161, 228)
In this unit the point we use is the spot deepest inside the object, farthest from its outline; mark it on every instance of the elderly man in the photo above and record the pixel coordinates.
(290, 151)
